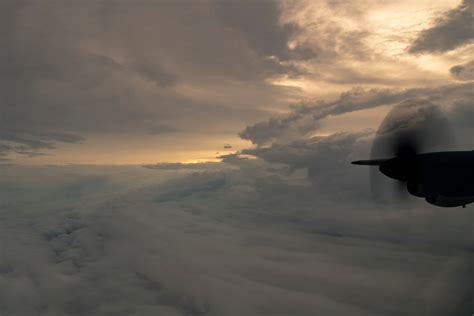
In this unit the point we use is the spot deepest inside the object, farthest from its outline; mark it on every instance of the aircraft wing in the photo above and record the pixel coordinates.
(373, 162)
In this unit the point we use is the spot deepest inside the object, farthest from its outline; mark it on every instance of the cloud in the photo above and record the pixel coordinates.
(452, 30)
(305, 119)
(291, 232)
(153, 72)
(107, 68)
(463, 71)
(307, 152)
(286, 228)
(260, 24)
(32, 142)
(326, 159)
(4, 150)
(161, 129)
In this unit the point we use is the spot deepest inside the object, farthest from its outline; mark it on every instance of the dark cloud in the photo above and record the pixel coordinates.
(32, 142)
(36, 139)
(4, 151)
(108, 67)
(463, 71)
(259, 23)
(153, 72)
(454, 29)
(161, 129)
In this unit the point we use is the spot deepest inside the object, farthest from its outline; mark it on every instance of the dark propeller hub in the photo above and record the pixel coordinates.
(400, 168)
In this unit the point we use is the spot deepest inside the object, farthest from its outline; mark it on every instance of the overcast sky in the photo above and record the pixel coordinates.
(286, 94)
(111, 82)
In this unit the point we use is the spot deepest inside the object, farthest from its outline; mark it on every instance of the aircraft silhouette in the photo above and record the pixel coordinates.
(443, 178)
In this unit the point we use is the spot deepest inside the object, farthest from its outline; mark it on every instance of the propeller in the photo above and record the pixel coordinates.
(410, 128)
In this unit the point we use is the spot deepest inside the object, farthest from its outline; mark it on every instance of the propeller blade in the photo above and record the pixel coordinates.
(410, 128)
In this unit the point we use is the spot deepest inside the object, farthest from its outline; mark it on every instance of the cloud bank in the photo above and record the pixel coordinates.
(252, 238)
(306, 118)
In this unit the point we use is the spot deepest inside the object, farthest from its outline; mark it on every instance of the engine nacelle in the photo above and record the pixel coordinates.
(416, 189)
(401, 169)
(445, 201)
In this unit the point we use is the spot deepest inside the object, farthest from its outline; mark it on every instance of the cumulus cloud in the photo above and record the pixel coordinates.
(454, 29)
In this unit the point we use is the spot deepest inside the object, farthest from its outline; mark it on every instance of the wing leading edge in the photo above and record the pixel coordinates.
(373, 162)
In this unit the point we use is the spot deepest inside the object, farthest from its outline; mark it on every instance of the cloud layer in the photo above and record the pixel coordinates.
(109, 68)
(306, 118)
(249, 238)
(205, 70)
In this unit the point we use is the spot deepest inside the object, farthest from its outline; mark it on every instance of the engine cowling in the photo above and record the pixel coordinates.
(416, 189)
(401, 169)
(445, 201)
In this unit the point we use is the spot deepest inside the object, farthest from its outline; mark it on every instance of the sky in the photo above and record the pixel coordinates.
(192, 158)
(108, 82)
